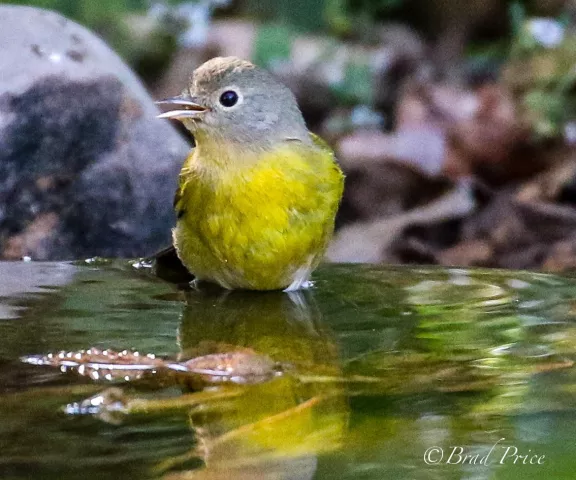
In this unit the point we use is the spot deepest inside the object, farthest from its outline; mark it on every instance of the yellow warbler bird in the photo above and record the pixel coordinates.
(258, 195)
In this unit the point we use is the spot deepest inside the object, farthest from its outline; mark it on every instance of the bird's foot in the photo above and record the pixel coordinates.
(299, 285)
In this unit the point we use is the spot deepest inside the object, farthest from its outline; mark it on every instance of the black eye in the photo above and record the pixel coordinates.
(229, 98)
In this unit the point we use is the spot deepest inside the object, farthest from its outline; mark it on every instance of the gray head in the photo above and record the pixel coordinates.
(232, 98)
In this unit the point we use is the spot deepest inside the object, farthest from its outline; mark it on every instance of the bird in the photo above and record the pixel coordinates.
(258, 194)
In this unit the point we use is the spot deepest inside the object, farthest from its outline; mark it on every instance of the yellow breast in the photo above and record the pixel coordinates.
(261, 222)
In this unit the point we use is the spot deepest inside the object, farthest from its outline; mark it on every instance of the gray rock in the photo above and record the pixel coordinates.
(85, 167)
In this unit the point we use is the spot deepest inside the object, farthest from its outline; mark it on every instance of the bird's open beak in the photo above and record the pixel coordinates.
(184, 107)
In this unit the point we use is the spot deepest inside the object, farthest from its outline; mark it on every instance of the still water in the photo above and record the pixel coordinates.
(107, 372)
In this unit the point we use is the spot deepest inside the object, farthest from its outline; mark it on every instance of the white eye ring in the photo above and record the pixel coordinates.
(230, 97)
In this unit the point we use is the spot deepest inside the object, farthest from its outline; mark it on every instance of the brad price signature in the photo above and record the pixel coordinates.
(498, 454)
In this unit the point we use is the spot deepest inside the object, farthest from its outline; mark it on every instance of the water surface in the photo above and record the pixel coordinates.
(376, 372)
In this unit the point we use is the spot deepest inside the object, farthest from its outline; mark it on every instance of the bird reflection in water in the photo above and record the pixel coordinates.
(276, 428)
